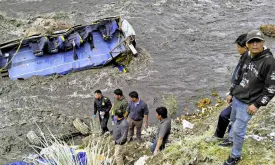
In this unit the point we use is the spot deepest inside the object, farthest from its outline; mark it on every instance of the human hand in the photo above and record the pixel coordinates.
(146, 124)
(229, 99)
(155, 153)
(252, 109)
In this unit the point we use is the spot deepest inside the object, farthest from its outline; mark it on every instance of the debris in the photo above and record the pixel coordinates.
(141, 160)
(204, 102)
(256, 137)
(268, 30)
(81, 126)
(187, 124)
(214, 94)
(33, 138)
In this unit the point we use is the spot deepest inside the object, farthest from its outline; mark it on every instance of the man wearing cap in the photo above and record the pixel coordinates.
(120, 102)
(256, 89)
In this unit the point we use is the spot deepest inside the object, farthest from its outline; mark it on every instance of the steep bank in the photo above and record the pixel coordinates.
(190, 148)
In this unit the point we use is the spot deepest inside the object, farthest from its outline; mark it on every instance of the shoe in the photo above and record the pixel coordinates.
(232, 161)
(226, 143)
(213, 139)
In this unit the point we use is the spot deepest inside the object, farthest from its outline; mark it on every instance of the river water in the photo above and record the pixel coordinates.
(187, 51)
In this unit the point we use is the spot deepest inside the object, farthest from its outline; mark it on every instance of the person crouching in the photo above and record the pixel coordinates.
(120, 132)
(163, 132)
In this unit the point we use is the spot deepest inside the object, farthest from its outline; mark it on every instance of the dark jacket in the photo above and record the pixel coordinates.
(236, 77)
(120, 131)
(104, 104)
(257, 84)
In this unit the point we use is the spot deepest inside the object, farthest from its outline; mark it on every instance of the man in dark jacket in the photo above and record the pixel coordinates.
(102, 105)
(120, 133)
(224, 117)
(256, 89)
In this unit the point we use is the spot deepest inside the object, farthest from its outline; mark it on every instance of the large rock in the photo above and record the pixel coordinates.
(268, 30)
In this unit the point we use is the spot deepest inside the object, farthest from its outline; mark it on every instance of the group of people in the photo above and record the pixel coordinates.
(252, 86)
(127, 116)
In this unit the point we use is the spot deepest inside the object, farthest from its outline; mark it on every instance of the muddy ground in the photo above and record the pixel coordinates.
(186, 47)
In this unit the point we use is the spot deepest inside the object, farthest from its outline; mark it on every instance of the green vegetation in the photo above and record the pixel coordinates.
(190, 147)
(171, 103)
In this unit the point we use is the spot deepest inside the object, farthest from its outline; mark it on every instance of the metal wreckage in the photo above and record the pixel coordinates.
(77, 48)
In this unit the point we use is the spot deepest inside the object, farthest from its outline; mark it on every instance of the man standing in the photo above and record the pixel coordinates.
(102, 105)
(256, 89)
(163, 131)
(224, 118)
(137, 110)
(120, 103)
(120, 132)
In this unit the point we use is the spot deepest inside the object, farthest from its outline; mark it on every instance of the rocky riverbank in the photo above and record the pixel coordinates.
(188, 146)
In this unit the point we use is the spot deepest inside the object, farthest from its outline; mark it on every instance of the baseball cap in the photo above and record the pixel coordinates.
(255, 34)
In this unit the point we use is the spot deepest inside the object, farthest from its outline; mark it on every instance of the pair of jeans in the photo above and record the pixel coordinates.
(224, 120)
(153, 147)
(239, 118)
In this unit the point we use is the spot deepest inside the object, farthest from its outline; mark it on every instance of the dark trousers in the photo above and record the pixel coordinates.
(132, 124)
(224, 120)
(104, 123)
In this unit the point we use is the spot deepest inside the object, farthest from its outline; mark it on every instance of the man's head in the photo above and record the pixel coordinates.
(133, 96)
(241, 44)
(161, 113)
(98, 94)
(119, 114)
(118, 94)
(255, 42)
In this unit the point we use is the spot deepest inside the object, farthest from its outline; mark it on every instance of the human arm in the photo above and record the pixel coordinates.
(95, 108)
(124, 107)
(252, 109)
(108, 105)
(127, 111)
(229, 98)
(269, 84)
(146, 113)
(159, 143)
(146, 121)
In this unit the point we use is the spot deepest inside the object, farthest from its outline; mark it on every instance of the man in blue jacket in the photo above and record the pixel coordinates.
(256, 89)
